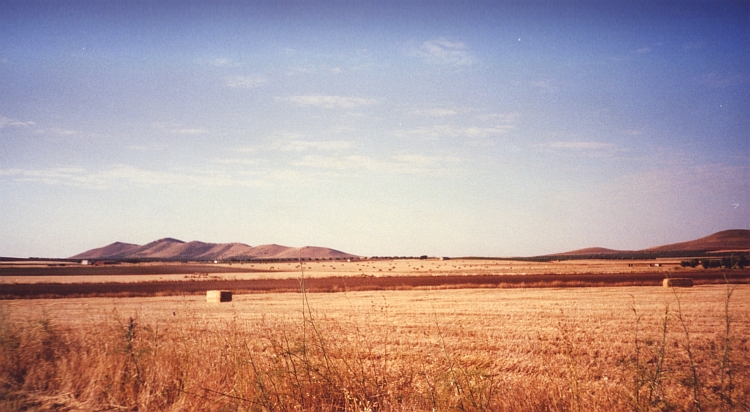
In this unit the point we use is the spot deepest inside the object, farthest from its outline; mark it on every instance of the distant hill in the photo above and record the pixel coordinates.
(594, 251)
(727, 240)
(736, 239)
(115, 249)
(174, 249)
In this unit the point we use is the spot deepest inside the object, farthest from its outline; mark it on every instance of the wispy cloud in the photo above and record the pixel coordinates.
(396, 164)
(717, 181)
(236, 161)
(120, 175)
(244, 82)
(580, 148)
(449, 131)
(508, 118)
(53, 134)
(329, 102)
(720, 80)
(7, 122)
(189, 131)
(224, 62)
(178, 129)
(437, 112)
(148, 147)
(299, 70)
(62, 132)
(296, 142)
(579, 145)
(444, 51)
(303, 145)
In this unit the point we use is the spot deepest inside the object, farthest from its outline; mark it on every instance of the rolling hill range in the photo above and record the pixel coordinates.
(727, 240)
(174, 249)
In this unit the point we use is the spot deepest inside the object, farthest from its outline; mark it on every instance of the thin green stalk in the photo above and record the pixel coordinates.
(725, 394)
(454, 378)
(693, 366)
(656, 391)
(637, 376)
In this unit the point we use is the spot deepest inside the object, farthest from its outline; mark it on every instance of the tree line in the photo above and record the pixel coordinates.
(727, 262)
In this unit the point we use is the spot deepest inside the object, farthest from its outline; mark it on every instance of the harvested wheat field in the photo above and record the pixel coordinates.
(13, 272)
(624, 348)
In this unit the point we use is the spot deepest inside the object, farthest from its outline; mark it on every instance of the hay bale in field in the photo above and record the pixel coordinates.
(678, 283)
(216, 296)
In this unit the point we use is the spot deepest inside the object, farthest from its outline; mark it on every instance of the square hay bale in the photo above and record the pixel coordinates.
(216, 296)
(678, 283)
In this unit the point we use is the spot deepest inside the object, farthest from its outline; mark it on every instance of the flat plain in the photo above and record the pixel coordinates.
(40, 272)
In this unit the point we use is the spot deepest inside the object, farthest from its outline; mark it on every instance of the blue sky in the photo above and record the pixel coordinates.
(376, 128)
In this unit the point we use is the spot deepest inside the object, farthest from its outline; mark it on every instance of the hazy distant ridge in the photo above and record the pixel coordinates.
(174, 249)
(727, 240)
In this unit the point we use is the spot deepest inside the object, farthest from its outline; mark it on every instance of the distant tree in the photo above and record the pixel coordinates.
(742, 261)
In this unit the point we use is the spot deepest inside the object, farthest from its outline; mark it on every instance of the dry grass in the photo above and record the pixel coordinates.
(481, 349)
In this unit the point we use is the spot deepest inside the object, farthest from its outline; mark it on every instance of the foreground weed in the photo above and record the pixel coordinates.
(651, 379)
(570, 351)
(692, 381)
(725, 366)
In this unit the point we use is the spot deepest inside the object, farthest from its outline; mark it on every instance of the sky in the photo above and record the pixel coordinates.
(514, 128)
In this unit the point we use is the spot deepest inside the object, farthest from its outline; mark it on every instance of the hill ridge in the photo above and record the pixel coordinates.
(175, 249)
(732, 239)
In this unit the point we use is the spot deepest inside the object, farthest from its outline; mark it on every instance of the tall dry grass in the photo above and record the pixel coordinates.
(308, 360)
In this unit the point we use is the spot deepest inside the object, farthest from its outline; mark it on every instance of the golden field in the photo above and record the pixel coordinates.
(126, 272)
(572, 349)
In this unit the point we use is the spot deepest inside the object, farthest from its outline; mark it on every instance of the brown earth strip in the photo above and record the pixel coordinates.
(121, 270)
(340, 284)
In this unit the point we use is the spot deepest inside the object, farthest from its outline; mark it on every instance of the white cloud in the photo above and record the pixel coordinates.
(580, 148)
(189, 131)
(436, 112)
(148, 147)
(445, 51)
(448, 131)
(296, 142)
(301, 145)
(7, 122)
(591, 149)
(506, 118)
(244, 82)
(235, 161)
(397, 164)
(120, 175)
(177, 129)
(224, 62)
(329, 102)
(580, 145)
(299, 70)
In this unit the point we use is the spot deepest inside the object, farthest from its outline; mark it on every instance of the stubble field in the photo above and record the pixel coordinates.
(39, 272)
(597, 348)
